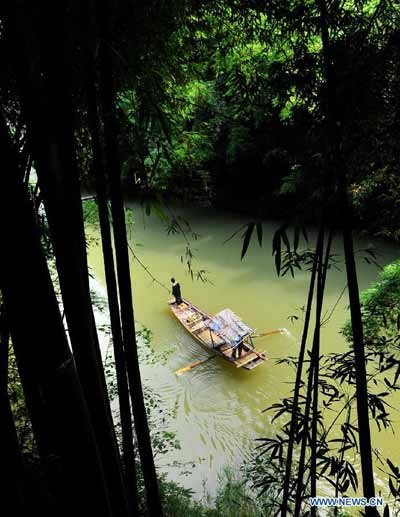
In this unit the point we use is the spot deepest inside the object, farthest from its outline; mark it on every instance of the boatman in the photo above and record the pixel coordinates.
(237, 352)
(176, 291)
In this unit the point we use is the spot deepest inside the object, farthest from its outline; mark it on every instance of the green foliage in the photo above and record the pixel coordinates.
(377, 198)
(21, 419)
(228, 85)
(179, 502)
(90, 212)
(380, 308)
(91, 218)
(233, 497)
(232, 500)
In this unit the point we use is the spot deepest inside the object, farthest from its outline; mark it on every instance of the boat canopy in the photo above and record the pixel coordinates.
(230, 327)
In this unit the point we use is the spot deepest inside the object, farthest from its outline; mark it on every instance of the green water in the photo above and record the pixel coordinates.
(218, 410)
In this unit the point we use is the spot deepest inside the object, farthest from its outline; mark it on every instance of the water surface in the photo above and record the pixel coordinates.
(217, 409)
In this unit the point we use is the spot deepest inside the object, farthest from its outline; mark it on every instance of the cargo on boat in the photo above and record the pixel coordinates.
(224, 334)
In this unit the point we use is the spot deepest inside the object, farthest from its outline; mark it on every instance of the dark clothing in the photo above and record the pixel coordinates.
(237, 352)
(176, 291)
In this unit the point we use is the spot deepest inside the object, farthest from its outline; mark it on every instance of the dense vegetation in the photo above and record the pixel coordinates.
(284, 109)
(240, 111)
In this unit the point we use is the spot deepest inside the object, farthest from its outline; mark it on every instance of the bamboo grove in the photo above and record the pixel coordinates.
(306, 408)
(66, 394)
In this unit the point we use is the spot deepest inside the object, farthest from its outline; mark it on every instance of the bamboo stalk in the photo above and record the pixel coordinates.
(112, 296)
(123, 269)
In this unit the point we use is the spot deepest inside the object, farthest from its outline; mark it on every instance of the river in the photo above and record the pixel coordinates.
(217, 411)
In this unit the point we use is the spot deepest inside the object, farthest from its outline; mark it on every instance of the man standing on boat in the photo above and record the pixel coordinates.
(237, 352)
(176, 291)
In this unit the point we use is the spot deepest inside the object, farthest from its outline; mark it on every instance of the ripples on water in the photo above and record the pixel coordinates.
(217, 409)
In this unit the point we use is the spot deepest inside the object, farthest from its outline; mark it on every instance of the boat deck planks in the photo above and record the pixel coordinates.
(245, 359)
(195, 321)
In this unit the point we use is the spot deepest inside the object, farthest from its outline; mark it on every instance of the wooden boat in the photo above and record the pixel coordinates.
(221, 334)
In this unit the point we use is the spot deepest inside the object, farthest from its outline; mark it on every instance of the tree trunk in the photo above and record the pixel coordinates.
(113, 304)
(53, 394)
(310, 383)
(49, 117)
(339, 169)
(10, 454)
(47, 106)
(322, 272)
(124, 284)
(297, 384)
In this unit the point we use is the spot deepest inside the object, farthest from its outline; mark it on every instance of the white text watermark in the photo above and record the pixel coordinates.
(346, 501)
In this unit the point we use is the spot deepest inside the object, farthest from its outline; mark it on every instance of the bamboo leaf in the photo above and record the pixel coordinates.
(394, 469)
(296, 238)
(392, 488)
(276, 250)
(304, 233)
(278, 260)
(285, 238)
(246, 239)
(276, 241)
(234, 233)
(259, 233)
(345, 485)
